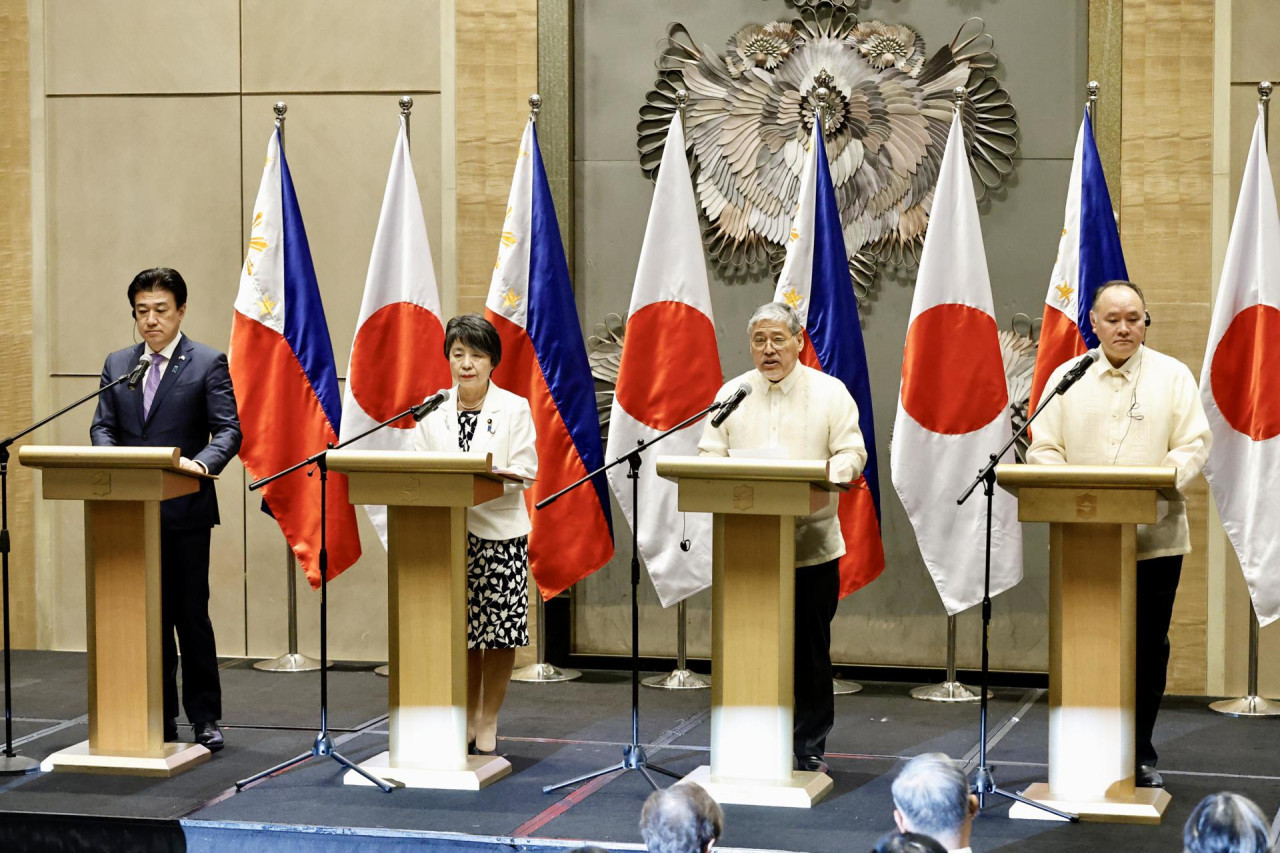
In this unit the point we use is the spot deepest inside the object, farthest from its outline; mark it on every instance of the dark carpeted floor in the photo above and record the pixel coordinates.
(551, 732)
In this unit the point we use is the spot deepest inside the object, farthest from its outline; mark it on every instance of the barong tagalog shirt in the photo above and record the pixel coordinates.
(805, 415)
(1145, 412)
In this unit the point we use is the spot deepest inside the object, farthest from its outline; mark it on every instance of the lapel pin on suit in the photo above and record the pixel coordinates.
(489, 426)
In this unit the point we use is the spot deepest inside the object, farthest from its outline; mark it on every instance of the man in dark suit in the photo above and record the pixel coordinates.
(185, 400)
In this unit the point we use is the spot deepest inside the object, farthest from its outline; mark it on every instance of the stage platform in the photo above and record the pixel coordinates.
(552, 732)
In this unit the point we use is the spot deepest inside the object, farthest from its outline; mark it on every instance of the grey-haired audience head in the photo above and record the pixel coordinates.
(931, 796)
(1226, 823)
(778, 312)
(681, 819)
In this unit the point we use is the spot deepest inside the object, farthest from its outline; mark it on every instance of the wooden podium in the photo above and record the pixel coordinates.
(755, 502)
(122, 488)
(1092, 513)
(426, 495)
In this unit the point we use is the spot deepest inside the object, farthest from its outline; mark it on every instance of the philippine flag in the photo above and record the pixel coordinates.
(1089, 255)
(815, 281)
(397, 358)
(544, 360)
(285, 379)
(670, 371)
(953, 405)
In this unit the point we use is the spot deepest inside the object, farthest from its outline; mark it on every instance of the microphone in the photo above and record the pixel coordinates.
(727, 407)
(429, 405)
(1078, 370)
(135, 376)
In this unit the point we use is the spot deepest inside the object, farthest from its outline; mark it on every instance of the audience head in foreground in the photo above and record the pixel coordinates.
(907, 842)
(931, 796)
(1226, 823)
(681, 819)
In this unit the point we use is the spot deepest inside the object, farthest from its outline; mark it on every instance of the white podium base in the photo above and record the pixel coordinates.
(80, 758)
(481, 770)
(801, 791)
(1146, 806)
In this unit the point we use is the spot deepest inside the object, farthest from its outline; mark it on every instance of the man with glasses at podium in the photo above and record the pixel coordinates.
(185, 401)
(795, 412)
(1136, 406)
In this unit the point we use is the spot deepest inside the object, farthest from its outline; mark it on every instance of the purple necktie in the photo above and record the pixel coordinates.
(152, 383)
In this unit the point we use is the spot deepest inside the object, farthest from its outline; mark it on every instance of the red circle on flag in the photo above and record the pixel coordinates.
(397, 360)
(670, 364)
(1245, 373)
(952, 374)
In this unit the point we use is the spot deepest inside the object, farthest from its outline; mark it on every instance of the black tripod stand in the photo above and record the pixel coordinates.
(634, 756)
(12, 764)
(983, 775)
(323, 745)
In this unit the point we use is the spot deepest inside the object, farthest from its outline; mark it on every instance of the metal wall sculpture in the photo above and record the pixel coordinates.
(751, 110)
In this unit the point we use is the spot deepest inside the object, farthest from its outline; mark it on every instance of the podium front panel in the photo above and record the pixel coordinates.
(1092, 596)
(122, 595)
(753, 633)
(427, 632)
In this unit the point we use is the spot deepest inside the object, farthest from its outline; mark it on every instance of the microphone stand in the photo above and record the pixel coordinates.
(12, 764)
(323, 744)
(634, 756)
(983, 775)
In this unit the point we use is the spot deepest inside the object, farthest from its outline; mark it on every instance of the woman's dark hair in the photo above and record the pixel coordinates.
(476, 332)
(160, 278)
(907, 842)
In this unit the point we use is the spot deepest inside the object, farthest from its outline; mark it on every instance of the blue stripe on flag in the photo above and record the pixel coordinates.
(1101, 258)
(304, 325)
(833, 324)
(553, 327)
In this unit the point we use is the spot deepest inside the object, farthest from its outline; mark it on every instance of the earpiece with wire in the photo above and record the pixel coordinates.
(685, 544)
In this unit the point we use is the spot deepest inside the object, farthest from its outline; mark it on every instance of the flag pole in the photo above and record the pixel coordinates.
(821, 96)
(1091, 107)
(406, 108)
(1253, 705)
(680, 678)
(540, 672)
(290, 661)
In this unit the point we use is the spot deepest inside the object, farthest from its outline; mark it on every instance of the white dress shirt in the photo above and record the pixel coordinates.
(806, 415)
(1145, 412)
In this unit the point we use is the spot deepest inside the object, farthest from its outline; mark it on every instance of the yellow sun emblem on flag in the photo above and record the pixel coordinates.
(795, 235)
(510, 299)
(256, 243)
(1064, 292)
(792, 298)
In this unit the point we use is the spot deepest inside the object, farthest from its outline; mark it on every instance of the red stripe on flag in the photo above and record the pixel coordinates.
(283, 422)
(1060, 340)
(863, 559)
(670, 365)
(571, 537)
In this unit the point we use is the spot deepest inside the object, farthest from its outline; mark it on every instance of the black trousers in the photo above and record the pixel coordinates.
(184, 611)
(817, 594)
(1157, 588)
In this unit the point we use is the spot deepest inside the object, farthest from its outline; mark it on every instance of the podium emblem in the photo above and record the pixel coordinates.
(410, 487)
(744, 497)
(101, 481)
(1086, 506)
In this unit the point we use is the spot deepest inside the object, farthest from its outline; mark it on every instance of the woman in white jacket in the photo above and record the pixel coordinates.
(480, 417)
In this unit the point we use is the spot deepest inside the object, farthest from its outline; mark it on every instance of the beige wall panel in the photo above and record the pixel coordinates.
(141, 46)
(1254, 36)
(340, 46)
(339, 150)
(16, 338)
(121, 201)
(62, 616)
(497, 70)
(1165, 222)
(357, 598)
